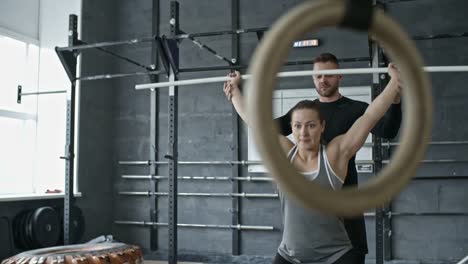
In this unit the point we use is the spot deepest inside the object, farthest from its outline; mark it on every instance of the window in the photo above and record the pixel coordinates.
(283, 100)
(30, 131)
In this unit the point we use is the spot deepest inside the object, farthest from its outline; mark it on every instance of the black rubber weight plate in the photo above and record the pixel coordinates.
(77, 225)
(45, 227)
(28, 236)
(17, 229)
(21, 231)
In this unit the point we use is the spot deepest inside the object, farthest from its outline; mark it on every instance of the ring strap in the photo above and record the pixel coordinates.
(358, 15)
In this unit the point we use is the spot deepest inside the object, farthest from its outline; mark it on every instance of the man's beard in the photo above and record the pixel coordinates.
(328, 92)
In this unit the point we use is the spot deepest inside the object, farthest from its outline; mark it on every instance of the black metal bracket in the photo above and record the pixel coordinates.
(208, 49)
(260, 35)
(163, 58)
(118, 56)
(68, 60)
(171, 53)
(18, 97)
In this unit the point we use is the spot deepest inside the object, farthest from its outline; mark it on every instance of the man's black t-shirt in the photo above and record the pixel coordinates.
(339, 117)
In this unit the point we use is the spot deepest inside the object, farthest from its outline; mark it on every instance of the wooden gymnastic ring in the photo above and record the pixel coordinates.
(101, 253)
(266, 62)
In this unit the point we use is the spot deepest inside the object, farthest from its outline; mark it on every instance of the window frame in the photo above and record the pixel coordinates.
(26, 116)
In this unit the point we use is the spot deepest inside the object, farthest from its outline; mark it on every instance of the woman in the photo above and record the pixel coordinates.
(309, 236)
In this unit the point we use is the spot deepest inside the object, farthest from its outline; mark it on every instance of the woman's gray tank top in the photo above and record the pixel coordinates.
(310, 236)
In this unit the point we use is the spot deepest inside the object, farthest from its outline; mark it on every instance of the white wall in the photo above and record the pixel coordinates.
(20, 17)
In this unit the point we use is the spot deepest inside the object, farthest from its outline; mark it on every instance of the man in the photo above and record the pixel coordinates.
(340, 113)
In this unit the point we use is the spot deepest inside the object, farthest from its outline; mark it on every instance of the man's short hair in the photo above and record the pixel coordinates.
(326, 57)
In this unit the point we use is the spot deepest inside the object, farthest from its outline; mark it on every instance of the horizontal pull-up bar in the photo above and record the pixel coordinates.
(20, 93)
(463, 68)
